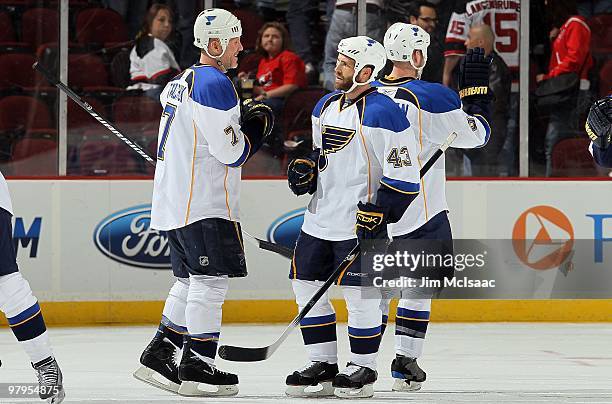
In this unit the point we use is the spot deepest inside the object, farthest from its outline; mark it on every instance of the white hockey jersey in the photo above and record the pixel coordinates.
(200, 150)
(5, 197)
(364, 145)
(435, 112)
(156, 59)
(502, 16)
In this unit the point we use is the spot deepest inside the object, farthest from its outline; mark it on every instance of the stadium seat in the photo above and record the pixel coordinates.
(19, 112)
(79, 119)
(120, 69)
(39, 25)
(17, 71)
(136, 114)
(571, 158)
(251, 23)
(298, 110)
(99, 26)
(35, 153)
(101, 153)
(88, 72)
(601, 34)
(605, 79)
(249, 63)
(7, 33)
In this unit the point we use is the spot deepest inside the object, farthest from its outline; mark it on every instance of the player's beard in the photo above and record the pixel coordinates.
(344, 84)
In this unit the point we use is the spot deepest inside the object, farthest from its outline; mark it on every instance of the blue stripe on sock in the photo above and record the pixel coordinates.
(364, 332)
(24, 315)
(166, 321)
(421, 315)
(329, 318)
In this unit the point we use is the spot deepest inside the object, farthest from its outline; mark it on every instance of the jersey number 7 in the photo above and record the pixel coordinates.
(168, 115)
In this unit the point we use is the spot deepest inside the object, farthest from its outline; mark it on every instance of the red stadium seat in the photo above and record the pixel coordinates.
(571, 158)
(87, 71)
(249, 63)
(17, 71)
(7, 33)
(39, 25)
(298, 108)
(19, 112)
(100, 25)
(251, 23)
(35, 153)
(104, 154)
(133, 110)
(81, 120)
(601, 33)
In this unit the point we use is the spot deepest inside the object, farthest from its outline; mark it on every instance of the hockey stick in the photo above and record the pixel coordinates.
(242, 354)
(269, 246)
(83, 104)
(264, 245)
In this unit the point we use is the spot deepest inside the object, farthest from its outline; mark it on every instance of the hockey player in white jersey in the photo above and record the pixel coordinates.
(436, 112)
(362, 176)
(202, 143)
(22, 311)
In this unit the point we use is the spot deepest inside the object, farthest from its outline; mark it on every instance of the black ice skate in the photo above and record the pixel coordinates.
(202, 379)
(355, 382)
(159, 367)
(50, 381)
(407, 374)
(313, 380)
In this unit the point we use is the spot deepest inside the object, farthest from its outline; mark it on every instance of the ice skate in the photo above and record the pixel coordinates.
(407, 374)
(50, 381)
(313, 380)
(159, 367)
(355, 382)
(202, 379)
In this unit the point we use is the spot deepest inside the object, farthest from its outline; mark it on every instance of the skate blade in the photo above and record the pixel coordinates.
(194, 389)
(347, 392)
(406, 385)
(148, 376)
(58, 398)
(323, 389)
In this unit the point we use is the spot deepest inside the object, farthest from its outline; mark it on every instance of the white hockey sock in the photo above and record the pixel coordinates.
(203, 313)
(173, 316)
(319, 326)
(411, 326)
(364, 324)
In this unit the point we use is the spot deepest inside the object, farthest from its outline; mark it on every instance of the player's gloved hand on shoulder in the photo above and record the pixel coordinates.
(302, 174)
(599, 123)
(474, 88)
(256, 122)
(371, 222)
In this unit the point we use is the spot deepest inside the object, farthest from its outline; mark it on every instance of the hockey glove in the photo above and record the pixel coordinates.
(302, 174)
(371, 222)
(599, 123)
(256, 122)
(474, 88)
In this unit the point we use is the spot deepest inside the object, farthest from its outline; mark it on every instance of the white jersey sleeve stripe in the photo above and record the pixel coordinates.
(400, 186)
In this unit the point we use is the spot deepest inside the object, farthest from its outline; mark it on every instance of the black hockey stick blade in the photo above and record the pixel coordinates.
(83, 104)
(269, 246)
(244, 354)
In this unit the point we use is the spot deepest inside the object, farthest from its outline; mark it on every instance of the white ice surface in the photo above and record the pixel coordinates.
(465, 363)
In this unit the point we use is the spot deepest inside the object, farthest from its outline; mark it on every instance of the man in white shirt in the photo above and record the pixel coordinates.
(22, 311)
(202, 143)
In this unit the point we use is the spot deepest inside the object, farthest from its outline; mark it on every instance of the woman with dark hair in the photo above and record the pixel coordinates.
(571, 43)
(152, 62)
(280, 73)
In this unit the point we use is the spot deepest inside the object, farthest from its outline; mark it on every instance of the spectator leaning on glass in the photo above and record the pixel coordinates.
(570, 54)
(152, 63)
(280, 72)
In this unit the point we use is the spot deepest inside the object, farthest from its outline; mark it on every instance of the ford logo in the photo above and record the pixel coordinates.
(286, 229)
(126, 237)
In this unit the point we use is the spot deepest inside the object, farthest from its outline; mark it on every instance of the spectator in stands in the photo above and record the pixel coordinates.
(570, 54)
(423, 14)
(299, 16)
(280, 73)
(484, 161)
(589, 8)
(343, 24)
(152, 62)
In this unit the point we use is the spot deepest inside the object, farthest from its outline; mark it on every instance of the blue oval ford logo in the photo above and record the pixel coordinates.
(286, 229)
(126, 237)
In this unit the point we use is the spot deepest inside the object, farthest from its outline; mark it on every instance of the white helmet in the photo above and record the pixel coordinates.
(215, 23)
(401, 40)
(365, 52)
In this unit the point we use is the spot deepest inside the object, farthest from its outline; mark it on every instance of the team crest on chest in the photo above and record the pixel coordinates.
(334, 139)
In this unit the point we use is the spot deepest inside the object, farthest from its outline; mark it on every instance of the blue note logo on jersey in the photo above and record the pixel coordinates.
(286, 229)
(125, 237)
(334, 139)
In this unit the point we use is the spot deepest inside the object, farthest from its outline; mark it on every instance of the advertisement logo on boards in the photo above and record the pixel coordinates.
(27, 236)
(286, 229)
(125, 237)
(543, 237)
